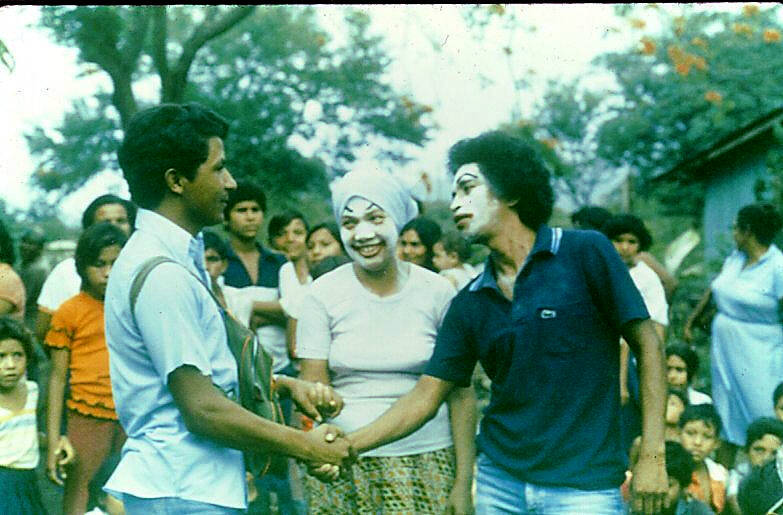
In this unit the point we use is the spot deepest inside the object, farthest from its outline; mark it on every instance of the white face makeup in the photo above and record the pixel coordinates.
(474, 207)
(369, 234)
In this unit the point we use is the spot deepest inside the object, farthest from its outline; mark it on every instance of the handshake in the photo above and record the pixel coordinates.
(327, 450)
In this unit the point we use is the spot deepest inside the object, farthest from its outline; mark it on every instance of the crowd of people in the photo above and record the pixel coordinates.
(378, 323)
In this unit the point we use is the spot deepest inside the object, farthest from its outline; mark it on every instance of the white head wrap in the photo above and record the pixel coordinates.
(379, 187)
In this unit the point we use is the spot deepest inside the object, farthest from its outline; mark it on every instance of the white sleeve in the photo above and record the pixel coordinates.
(62, 283)
(313, 333)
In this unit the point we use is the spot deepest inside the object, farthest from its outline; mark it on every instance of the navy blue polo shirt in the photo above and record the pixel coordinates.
(269, 264)
(553, 356)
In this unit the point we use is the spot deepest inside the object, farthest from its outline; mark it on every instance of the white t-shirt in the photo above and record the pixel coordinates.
(291, 290)
(62, 283)
(19, 434)
(377, 347)
(651, 288)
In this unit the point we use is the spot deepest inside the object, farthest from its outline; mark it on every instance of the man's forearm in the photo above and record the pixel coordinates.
(644, 340)
(409, 413)
(462, 416)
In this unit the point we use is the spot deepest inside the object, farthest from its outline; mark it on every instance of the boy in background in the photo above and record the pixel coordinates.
(700, 426)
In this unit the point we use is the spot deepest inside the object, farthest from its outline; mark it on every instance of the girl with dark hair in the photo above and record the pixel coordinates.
(19, 454)
(747, 338)
(417, 239)
(80, 359)
(323, 241)
(12, 292)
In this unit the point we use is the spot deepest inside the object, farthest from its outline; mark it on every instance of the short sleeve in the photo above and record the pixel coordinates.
(777, 277)
(313, 332)
(610, 283)
(62, 329)
(654, 296)
(454, 357)
(12, 288)
(169, 312)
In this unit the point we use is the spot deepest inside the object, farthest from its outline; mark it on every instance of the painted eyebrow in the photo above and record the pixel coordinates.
(466, 177)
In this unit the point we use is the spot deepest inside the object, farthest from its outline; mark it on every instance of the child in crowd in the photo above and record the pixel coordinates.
(699, 429)
(777, 401)
(450, 255)
(762, 491)
(679, 468)
(764, 437)
(81, 359)
(323, 241)
(682, 364)
(675, 407)
(19, 453)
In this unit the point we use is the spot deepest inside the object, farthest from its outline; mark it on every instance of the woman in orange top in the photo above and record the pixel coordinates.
(78, 345)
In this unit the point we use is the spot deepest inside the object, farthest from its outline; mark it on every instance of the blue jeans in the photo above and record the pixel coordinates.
(498, 492)
(173, 506)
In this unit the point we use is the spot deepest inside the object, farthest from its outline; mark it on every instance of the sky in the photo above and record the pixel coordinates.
(466, 80)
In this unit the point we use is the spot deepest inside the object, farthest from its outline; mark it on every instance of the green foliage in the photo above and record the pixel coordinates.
(706, 74)
(267, 76)
(5, 57)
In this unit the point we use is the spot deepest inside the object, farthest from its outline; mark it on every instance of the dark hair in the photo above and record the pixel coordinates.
(11, 329)
(680, 394)
(429, 233)
(626, 223)
(514, 172)
(92, 241)
(777, 394)
(453, 241)
(679, 463)
(7, 251)
(688, 355)
(329, 226)
(704, 412)
(328, 264)
(763, 426)
(762, 220)
(244, 191)
(279, 222)
(213, 241)
(164, 137)
(590, 217)
(88, 217)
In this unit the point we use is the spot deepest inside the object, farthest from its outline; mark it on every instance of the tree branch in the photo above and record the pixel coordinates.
(205, 32)
(136, 37)
(159, 42)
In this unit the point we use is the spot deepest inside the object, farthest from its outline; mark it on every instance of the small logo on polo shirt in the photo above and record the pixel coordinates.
(548, 313)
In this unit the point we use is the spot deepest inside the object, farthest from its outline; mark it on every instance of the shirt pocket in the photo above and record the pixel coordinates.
(565, 328)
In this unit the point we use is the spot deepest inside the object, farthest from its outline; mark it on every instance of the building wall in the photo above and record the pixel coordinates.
(729, 187)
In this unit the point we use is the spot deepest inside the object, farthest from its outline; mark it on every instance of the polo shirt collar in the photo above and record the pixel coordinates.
(547, 242)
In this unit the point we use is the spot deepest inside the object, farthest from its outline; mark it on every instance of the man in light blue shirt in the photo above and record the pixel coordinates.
(171, 368)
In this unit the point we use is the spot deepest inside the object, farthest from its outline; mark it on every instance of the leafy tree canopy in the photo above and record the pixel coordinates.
(271, 71)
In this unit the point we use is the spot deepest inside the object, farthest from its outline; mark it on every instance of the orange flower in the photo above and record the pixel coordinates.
(750, 9)
(679, 25)
(648, 46)
(550, 143)
(771, 36)
(699, 42)
(426, 109)
(742, 28)
(497, 9)
(320, 40)
(675, 54)
(698, 62)
(713, 97)
(638, 24)
(683, 68)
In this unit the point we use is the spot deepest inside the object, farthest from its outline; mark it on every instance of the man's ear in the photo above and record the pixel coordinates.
(173, 181)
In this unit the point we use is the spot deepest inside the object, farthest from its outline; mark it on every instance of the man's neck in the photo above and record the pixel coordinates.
(175, 211)
(510, 246)
(242, 245)
(383, 282)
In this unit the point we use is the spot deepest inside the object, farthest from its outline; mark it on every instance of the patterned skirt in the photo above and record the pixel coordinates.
(393, 485)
